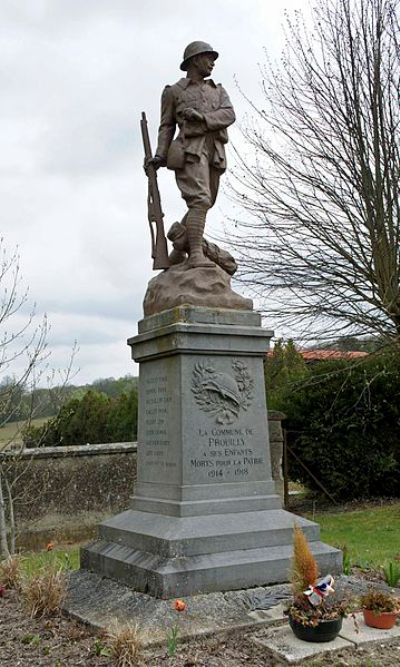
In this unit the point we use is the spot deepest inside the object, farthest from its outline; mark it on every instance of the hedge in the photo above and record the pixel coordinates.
(343, 422)
(95, 418)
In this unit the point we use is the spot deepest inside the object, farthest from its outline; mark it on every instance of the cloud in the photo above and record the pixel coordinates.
(75, 78)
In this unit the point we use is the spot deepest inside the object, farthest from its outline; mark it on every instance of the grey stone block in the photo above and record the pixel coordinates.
(205, 515)
(175, 536)
(191, 314)
(98, 601)
(173, 577)
(362, 634)
(283, 642)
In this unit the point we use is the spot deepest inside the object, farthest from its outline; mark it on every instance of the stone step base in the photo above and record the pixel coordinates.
(118, 556)
(174, 537)
(168, 578)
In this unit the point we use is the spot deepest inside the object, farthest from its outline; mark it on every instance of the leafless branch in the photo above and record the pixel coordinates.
(319, 238)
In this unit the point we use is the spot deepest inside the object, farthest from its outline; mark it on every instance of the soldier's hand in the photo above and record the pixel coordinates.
(192, 114)
(157, 161)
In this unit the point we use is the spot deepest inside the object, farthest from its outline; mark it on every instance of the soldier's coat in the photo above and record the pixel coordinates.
(201, 143)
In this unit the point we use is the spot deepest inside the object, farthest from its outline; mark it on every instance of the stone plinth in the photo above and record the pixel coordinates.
(205, 515)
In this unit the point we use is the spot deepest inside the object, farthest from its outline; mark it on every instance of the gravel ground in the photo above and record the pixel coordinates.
(61, 642)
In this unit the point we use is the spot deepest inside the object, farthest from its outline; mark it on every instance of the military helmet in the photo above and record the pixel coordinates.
(195, 49)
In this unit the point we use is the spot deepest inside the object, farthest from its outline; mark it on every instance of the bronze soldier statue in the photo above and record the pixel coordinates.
(203, 111)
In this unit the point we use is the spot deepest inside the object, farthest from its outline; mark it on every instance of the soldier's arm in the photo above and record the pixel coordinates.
(223, 116)
(167, 124)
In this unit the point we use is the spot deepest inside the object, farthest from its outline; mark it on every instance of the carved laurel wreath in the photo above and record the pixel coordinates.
(222, 394)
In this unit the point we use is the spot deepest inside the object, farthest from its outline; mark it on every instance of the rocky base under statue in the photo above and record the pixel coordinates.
(207, 287)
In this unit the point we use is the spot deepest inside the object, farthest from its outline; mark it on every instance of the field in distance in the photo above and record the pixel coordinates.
(11, 433)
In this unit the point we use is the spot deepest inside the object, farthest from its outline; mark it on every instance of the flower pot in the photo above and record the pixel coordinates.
(383, 620)
(325, 631)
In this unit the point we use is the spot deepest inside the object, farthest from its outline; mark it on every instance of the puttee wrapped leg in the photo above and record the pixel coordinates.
(195, 224)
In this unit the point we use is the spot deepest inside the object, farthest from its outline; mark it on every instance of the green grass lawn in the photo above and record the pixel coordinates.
(11, 432)
(66, 558)
(371, 535)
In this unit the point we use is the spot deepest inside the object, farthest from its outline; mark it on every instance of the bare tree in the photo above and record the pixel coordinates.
(23, 364)
(320, 179)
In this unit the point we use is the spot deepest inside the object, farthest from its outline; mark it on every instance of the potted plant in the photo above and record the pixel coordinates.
(380, 609)
(311, 617)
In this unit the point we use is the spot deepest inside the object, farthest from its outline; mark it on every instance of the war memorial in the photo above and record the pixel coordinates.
(205, 515)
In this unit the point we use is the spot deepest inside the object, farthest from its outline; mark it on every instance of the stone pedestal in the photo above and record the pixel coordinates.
(205, 515)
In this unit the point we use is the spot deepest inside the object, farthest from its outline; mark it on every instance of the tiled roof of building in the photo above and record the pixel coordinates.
(328, 355)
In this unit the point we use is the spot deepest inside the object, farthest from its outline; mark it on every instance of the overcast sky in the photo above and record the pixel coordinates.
(75, 76)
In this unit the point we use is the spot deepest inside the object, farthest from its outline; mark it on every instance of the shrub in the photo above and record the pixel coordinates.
(44, 592)
(284, 368)
(391, 574)
(379, 601)
(344, 424)
(122, 417)
(126, 644)
(10, 572)
(93, 418)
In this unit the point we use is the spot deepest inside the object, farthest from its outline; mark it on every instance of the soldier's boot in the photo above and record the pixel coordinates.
(177, 234)
(196, 220)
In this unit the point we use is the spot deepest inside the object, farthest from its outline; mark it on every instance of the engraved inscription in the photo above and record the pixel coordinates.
(221, 394)
(156, 423)
(226, 454)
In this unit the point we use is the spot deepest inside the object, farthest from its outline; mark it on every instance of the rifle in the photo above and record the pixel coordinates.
(159, 251)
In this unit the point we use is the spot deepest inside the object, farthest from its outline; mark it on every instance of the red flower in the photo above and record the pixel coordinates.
(180, 605)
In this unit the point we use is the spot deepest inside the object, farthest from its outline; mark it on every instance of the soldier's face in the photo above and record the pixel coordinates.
(204, 64)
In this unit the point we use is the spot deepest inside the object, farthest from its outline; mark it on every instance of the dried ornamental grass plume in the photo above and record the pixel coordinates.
(44, 592)
(10, 572)
(126, 644)
(304, 566)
